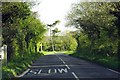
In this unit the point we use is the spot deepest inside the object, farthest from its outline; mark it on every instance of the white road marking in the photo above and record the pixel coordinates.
(23, 73)
(55, 70)
(68, 68)
(53, 66)
(31, 71)
(40, 71)
(62, 70)
(75, 76)
(50, 66)
(49, 71)
(63, 62)
(113, 71)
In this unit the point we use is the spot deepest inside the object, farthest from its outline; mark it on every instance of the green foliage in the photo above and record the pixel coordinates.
(61, 43)
(98, 25)
(53, 24)
(70, 43)
(107, 61)
(22, 31)
(55, 31)
(18, 65)
(99, 31)
(84, 40)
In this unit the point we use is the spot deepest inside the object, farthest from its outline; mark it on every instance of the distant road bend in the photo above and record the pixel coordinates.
(61, 66)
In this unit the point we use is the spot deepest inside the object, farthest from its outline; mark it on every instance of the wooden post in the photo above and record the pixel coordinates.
(0, 69)
(5, 54)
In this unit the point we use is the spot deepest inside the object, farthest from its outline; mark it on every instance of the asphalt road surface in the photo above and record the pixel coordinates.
(61, 66)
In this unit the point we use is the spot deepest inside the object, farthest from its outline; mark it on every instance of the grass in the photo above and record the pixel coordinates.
(68, 52)
(48, 52)
(106, 61)
(55, 52)
(18, 65)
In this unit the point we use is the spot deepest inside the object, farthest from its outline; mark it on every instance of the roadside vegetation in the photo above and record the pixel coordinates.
(98, 29)
(96, 38)
(57, 52)
(17, 66)
(60, 43)
(21, 31)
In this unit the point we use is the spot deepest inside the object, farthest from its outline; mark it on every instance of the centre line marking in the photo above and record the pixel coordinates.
(63, 62)
(68, 68)
(75, 76)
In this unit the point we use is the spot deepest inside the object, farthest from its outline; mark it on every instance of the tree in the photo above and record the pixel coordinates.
(21, 29)
(50, 26)
(54, 32)
(62, 43)
(96, 21)
(12, 13)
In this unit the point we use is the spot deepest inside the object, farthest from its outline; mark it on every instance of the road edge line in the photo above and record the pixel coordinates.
(113, 71)
(18, 76)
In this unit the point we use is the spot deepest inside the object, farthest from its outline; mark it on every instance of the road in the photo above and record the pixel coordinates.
(61, 66)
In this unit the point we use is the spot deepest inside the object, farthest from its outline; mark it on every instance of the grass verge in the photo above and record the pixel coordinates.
(55, 52)
(18, 65)
(106, 61)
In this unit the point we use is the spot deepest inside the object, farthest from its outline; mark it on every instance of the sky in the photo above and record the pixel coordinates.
(52, 10)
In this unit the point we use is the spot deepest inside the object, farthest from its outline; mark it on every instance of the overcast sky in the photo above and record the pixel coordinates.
(52, 10)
